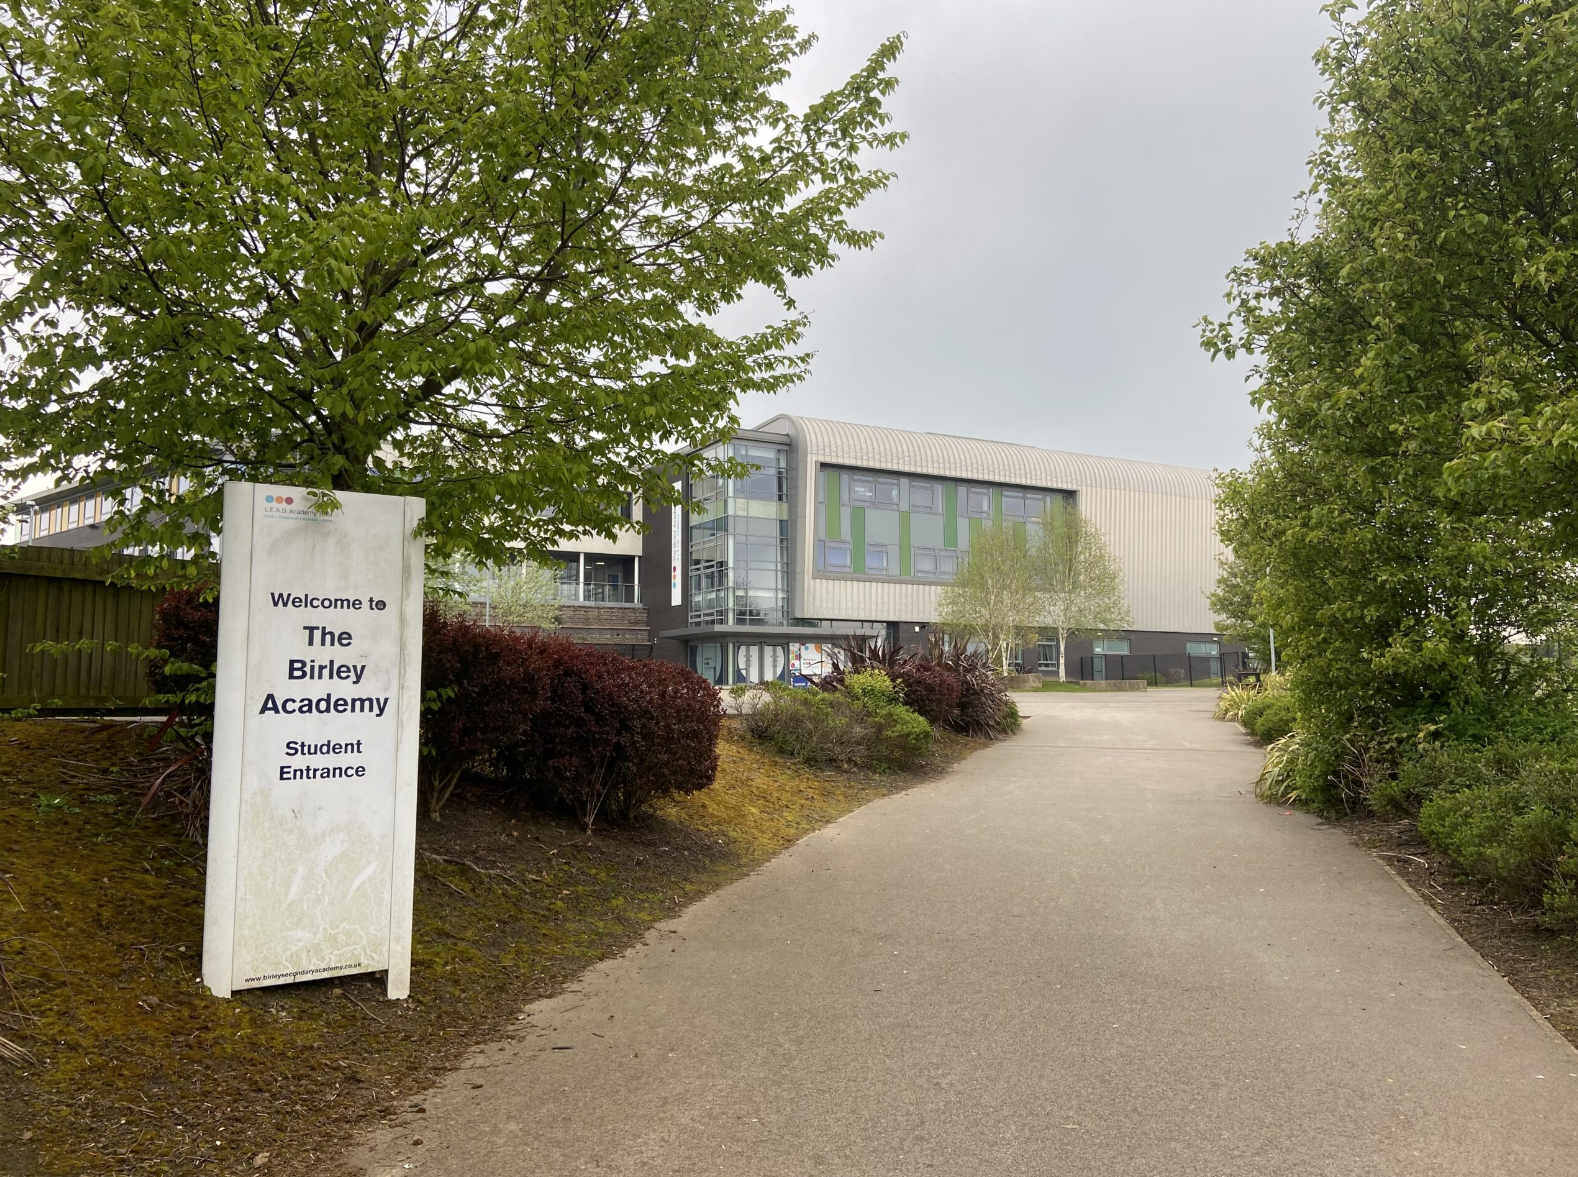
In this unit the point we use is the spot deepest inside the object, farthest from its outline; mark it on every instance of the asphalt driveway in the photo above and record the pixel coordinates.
(1086, 951)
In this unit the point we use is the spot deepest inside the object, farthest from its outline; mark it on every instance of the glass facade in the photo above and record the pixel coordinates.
(739, 542)
(882, 526)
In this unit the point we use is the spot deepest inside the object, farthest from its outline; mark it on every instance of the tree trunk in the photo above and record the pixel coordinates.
(1062, 660)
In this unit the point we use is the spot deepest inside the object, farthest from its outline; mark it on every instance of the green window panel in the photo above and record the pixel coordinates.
(975, 528)
(1022, 532)
(857, 540)
(997, 506)
(904, 544)
(950, 515)
(831, 483)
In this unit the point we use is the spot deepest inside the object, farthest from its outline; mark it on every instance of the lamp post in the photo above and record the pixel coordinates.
(1273, 634)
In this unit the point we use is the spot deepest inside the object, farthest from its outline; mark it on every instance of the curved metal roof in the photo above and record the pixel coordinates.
(989, 461)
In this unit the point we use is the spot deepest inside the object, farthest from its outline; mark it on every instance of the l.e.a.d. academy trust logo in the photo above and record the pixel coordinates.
(278, 505)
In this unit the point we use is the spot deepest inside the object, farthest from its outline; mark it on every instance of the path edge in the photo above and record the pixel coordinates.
(1528, 1006)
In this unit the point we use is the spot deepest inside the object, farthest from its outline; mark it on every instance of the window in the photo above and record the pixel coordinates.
(1018, 504)
(862, 490)
(887, 494)
(1203, 649)
(1046, 656)
(977, 502)
(71, 513)
(834, 555)
(767, 478)
(942, 562)
(1112, 646)
(877, 559)
(925, 498)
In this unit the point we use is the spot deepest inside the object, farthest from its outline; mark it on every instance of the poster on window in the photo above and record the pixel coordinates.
(808, 660)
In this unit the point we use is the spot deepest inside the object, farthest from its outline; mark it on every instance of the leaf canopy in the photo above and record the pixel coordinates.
(461, 250)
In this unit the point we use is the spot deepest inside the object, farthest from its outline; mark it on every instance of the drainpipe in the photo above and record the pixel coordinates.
(580, 582)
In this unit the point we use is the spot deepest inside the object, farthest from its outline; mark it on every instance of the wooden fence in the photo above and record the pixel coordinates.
(62, 595)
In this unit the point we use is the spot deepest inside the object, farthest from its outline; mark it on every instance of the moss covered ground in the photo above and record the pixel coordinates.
(119, 1062)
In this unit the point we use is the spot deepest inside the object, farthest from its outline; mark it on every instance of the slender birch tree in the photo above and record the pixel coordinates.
(1078, 581)
(993, 599)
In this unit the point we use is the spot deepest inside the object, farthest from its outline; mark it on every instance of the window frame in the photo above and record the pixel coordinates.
(829, 546)
(969, 509)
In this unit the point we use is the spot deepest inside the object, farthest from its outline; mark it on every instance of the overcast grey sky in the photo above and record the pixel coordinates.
(1080, 176)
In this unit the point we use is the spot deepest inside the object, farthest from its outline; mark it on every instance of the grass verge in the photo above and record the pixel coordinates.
(132, 1068)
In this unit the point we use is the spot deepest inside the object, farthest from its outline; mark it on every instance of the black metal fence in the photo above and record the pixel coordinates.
(1165, 670)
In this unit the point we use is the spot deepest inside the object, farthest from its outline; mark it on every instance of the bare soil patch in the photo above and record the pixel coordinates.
(133, 1068)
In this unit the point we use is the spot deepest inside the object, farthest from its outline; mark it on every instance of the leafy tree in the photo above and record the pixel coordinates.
(1236, 604)
(993, 598)
(522, 594)
(456, 249)
(1416, 338)
(1078, 581)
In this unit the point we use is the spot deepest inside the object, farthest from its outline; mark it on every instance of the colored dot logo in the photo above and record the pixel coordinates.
(286, 499)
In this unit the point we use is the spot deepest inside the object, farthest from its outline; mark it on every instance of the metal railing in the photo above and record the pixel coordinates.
(1163, 670)
(598, 593)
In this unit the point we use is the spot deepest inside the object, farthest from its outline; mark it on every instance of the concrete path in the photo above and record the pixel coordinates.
(1087, 951)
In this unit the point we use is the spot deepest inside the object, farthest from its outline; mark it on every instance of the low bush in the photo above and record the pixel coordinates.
(929, 690)
(1231, 702)
(561, 725)
(1280, 774)
(615, 733)
(817, 727)
(985, 708)
(1238, 697)
(903, 737)
(1276, 717)
(873, 689)
(1520, 835)
(1249, 714)
(483, 688)
(863, 724)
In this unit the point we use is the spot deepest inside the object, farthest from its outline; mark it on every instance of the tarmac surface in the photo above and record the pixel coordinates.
(1086, 950)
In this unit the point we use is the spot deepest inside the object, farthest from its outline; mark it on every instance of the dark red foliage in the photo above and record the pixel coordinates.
(616, 733)
(985, 710)
(566, 726)
(929, 689)
(187, 627)
(482, 689)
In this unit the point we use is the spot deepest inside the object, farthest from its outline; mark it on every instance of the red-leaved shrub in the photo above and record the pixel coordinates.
(565, 726)
(482, 689)
(615, 733)
(187, 628)
(928, 689)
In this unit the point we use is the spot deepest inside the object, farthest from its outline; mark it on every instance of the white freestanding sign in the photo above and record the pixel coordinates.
(312, 830)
